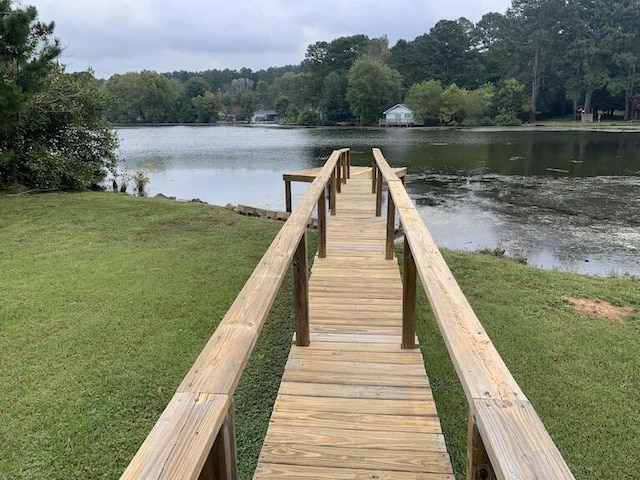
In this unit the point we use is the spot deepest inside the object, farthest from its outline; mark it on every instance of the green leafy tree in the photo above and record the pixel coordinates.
(450, 56)
(53, 132)
(424, 99)
(145, 97)
(510, 102)
(195, 86)
(535, 31)
(309, 117)
(372, 88)
(282, 106)
(207, 106)
(453, 104)
(479, 105)
(335, 107)
(247, 102)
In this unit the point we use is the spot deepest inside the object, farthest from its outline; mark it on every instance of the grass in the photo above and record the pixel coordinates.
(106, 300)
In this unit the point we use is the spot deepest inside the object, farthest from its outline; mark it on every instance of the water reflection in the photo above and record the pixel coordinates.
(561, 199)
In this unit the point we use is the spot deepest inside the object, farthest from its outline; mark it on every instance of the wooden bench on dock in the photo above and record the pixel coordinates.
(355, 401)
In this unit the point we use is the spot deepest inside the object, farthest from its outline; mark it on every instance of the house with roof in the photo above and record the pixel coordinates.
(397, 116)
(262, 116)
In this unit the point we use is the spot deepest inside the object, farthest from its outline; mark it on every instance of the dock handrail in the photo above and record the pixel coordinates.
(506, 437)
(194, 438)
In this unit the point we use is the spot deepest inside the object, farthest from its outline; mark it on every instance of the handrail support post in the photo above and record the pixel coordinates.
(478, 463)
(409, 299)
(287, 195)
(391, 226)
(379, 194)
(322, 226)
(332, 193)
(222, 462)
(301, 292)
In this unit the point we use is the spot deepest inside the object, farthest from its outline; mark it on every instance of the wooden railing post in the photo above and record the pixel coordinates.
(322, 226)
(409, 299)
(379, 195)
(301, 292)
(345, 168)
(478, 463)
(374, 174)
(391, 226)
(332, 193)
(339, 175)
(349, 163)
(287, 195)
(222, 463)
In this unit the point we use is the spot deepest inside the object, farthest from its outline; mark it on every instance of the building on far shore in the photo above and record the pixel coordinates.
(263, 116)
(397, 116)
(635, 107)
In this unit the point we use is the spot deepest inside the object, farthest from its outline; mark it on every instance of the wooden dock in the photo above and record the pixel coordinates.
(353, 404)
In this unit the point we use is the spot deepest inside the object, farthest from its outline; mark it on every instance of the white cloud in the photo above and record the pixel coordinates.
(116, 36)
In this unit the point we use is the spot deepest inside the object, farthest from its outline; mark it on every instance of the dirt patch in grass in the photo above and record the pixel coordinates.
(598, 308)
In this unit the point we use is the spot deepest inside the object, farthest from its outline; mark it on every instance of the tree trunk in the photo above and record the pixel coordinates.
(587, 100)
(535, 86)
(629, 92)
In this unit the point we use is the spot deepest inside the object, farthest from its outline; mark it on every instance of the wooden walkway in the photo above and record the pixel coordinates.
(353, 405)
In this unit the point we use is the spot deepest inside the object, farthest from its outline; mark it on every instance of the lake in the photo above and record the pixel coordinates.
(561, 199)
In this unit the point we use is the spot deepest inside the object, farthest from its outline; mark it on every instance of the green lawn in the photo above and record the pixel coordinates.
(106, 300)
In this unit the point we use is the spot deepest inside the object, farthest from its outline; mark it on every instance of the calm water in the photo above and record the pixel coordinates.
(567, 200)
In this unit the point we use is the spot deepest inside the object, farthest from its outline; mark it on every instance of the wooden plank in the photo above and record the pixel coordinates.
(344, 390)
(356, 458)
(354, 338)
(267, 471)
(349, 438)
(363, 422)
(424, 406)
(404, 357)
(355, 378)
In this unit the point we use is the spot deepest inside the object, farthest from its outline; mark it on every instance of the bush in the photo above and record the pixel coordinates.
(309, 117)
(507, 120)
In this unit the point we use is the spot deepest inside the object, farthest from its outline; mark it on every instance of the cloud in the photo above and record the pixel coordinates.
(115, 36)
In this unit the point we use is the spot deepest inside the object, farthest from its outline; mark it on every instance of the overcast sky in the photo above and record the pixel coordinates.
(119, 36)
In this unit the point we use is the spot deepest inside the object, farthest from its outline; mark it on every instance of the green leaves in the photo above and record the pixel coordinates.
(373, 87)
(53, 132)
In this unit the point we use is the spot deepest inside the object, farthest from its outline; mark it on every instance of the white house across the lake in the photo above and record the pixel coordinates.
(397, 116)
(262, 116)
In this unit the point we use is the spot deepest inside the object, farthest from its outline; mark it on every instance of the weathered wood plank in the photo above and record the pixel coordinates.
(348, 438)
(424, 406)
(407, 357)
(357, 458)
(344, 390)
(357, 421)
(268, 471)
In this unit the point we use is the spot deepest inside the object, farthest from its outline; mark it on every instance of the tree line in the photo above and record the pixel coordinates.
(540, 59)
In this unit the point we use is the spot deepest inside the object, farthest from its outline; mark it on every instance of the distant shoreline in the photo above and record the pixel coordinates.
(593, 127)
